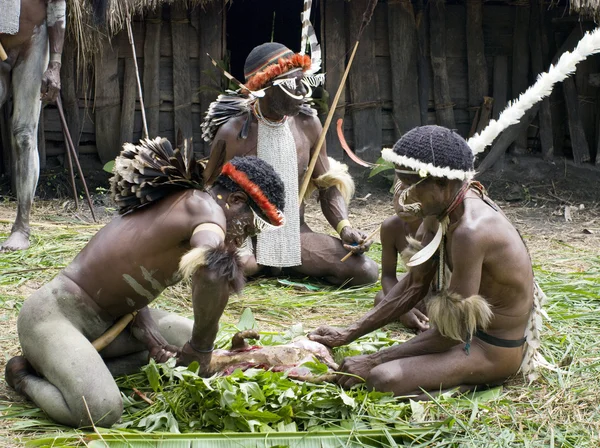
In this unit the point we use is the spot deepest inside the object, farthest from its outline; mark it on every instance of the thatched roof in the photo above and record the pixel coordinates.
(87, 35)
(586, 7)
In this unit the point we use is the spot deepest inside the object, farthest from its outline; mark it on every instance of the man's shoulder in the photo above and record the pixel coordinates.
(201, 207)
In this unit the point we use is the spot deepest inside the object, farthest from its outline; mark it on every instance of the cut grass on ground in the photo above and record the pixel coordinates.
(559, 409)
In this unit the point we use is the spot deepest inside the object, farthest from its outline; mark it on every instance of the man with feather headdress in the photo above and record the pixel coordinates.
(470, 265)
(271, 118)
(175, 222)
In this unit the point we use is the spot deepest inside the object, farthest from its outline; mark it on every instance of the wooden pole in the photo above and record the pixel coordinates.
(71, 147)
(319, 144)
(371, 236)
(137, 75)
(114, 331)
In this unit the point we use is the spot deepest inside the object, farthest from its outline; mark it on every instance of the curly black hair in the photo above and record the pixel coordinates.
(263, 175)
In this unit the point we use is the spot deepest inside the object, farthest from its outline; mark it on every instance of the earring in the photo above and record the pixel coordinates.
(219, 196)
(227, 206)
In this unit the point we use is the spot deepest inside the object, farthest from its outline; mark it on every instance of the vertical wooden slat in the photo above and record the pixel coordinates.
(364, 85)
(182, 93)
(537, 66)
(69, 92)
(210, 24)
(403, 42)
(423, 63)
(520, 64)
(579, 144)
(335, 63)
(108, 102)
(128, 103)
(500, 87)
(441, 90)
(477, 69)
(152, 71)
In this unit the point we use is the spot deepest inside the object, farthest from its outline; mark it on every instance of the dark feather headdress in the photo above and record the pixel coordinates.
(149, 171)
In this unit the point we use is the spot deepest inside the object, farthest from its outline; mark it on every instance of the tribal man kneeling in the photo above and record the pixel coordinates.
(485, 316)
(174, 224)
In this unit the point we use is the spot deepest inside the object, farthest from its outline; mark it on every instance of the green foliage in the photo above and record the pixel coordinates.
(384, 169)
(108, 166)
(252, 401)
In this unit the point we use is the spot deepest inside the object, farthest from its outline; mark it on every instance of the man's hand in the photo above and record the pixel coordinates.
(354, 240)
(329, 336)
(188, 354)
(51, 83)
(356, 365)
(164, 353)
(415, 320)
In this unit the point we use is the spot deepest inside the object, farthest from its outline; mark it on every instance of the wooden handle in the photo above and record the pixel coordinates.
(3, 55)
(114, 331)
(319, 144)
(373, 233)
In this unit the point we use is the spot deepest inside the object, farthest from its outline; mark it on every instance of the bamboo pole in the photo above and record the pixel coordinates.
(371, 236)
(315, 156)
(114, 331)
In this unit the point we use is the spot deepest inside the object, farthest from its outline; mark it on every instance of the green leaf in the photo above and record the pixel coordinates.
(381, 166)
(153, 375)
(108, 166)
(247, 321)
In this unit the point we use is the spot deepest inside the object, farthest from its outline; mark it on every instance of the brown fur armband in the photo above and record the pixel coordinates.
(221, 260)
(337, 176)
(457, 317)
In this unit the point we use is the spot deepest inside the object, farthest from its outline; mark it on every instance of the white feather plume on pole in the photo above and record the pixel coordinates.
(566, 65)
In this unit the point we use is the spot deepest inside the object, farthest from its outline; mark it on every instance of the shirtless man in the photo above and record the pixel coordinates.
(478, 317)
(282, 130)
(393, 236)
(34, 51)
(172, 227)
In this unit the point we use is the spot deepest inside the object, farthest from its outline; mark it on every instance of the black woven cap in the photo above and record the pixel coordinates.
(263, 56)
(437, 146)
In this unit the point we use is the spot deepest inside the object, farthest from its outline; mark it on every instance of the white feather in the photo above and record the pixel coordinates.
(566, 65)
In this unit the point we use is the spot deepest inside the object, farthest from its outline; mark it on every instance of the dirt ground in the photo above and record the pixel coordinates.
(555, 206)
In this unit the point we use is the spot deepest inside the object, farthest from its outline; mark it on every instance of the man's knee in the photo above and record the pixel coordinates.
(365, 271)
(105, 409)
(384, 379)
(24, 137)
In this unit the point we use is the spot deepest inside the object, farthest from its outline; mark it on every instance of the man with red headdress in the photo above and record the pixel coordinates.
(270, 118)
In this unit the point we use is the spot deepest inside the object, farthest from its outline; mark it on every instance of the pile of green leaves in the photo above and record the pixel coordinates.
(252, 401)
(255, 400)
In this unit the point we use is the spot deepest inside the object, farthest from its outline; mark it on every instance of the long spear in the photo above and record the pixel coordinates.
(368, 14)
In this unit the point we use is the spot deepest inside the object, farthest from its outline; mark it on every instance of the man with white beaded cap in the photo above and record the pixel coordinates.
(469, 264)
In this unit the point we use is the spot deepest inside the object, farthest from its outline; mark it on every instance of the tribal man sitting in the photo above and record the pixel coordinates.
(175, 223)
(275, 123)
(485, 316)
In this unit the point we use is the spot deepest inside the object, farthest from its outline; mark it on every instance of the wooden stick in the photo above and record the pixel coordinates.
(319, 144)
(373, 233)
(137, 76)
(114, 331)
(71, 147)
(3, 55)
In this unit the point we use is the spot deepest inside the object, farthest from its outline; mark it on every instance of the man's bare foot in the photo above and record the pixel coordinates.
(415, 320)
(18, 240)
(17, 368)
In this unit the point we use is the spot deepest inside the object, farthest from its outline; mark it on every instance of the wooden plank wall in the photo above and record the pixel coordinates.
(370, 85)
(168, 44)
